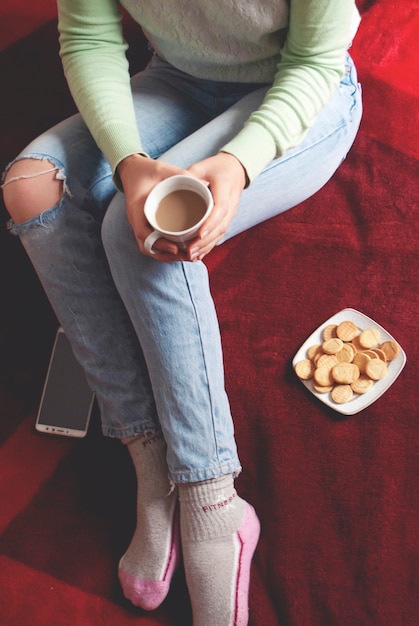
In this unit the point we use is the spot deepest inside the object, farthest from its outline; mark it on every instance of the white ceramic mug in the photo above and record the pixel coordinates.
(176, 209)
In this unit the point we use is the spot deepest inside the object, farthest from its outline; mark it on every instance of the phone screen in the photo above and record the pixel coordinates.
(67, 400)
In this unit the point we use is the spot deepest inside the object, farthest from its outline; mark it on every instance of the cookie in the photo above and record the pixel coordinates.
(304, 369)
(390, 349)
(323, 376)
(346, 354)
(342, 393)
(333, 345)
(380, 353)
(370, 353)
(362, 385)
(361, 359)
(345, 373)
(347, 330)
(313, 350)
(329, 332)
(376, 369)
(369, 338)
(327, 360)
(321, 389)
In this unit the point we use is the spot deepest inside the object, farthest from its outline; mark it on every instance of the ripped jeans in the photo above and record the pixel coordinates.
(146, 332)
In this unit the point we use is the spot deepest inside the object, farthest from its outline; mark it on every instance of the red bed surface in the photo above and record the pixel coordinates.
(337, 495)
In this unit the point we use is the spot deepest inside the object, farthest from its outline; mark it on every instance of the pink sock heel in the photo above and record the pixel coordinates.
(248, 535)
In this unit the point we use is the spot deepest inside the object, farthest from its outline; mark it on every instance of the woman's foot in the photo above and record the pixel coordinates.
(146, 569)
(219, 533)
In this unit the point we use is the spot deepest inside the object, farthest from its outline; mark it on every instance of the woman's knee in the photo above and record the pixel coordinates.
(31, 186)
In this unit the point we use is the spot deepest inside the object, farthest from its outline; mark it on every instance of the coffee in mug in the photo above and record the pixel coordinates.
(180, 210)
(176, 209)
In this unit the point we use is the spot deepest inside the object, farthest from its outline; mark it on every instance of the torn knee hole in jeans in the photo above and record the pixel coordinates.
(60, 175)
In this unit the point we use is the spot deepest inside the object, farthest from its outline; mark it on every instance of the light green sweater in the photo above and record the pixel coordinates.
(298, 46)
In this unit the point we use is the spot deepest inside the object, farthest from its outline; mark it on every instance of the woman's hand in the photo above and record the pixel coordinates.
(139, 175)
(226, 178)
(223, 173)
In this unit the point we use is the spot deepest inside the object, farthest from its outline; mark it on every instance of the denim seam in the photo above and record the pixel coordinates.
(129, 432)
(337, 129)
(356, 86)
(229, 467)
(203, 357)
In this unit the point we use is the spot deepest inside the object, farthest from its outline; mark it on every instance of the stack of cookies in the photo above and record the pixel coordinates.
(348, 361)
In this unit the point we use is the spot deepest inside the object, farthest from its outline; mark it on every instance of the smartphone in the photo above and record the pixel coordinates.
(67, 400)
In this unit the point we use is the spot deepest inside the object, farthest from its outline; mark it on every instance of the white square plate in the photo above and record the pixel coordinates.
(358, 402)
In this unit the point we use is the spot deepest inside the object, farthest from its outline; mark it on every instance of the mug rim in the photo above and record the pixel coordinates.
(177, 182)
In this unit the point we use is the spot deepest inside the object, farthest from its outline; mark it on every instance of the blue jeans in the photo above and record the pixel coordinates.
(146, 332)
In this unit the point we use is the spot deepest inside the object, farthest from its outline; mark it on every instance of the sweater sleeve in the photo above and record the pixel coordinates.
(312, 64)
(92, 48)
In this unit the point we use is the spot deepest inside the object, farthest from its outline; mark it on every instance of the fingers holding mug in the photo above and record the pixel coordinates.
(176, 209)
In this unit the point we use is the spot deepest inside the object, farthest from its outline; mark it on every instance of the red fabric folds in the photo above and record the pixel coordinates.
(337, 496)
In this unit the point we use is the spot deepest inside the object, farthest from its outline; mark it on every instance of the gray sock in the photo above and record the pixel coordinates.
(219, 534)
(150, 552)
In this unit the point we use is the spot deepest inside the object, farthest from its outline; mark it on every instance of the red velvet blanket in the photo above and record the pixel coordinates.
(337, 495)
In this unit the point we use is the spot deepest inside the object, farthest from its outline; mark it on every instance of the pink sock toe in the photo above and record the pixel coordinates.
(149, 594)
(146, 594)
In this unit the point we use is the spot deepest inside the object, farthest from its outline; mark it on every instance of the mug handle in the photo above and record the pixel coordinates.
(151, 240)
